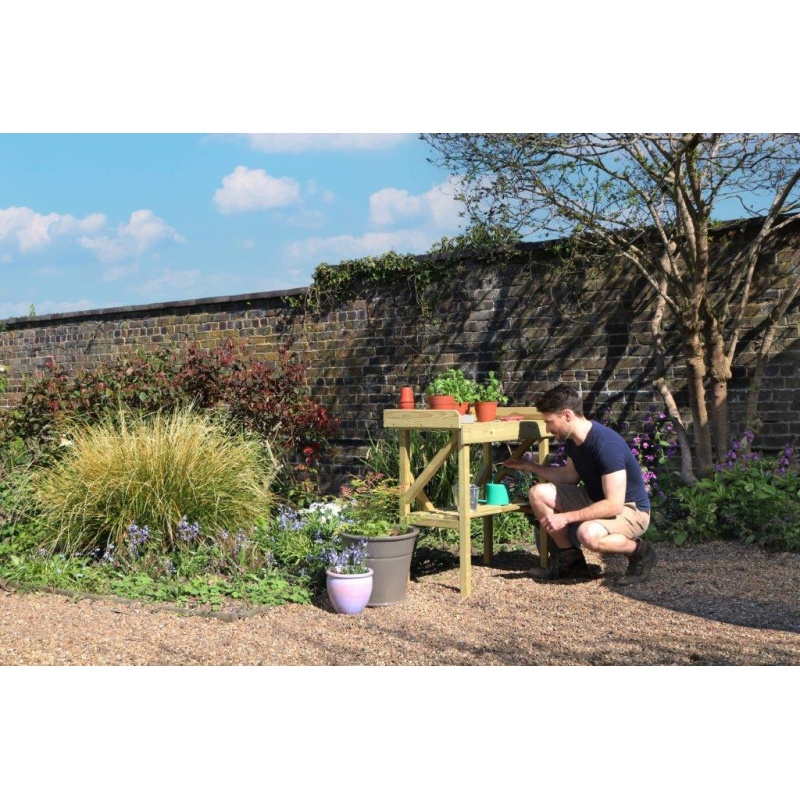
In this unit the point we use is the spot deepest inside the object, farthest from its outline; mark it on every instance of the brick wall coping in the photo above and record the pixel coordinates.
(16, 322)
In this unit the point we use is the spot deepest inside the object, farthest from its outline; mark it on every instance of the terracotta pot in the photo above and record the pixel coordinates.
(462, 407)
(406, 397)
(442, 402)
(485, 410)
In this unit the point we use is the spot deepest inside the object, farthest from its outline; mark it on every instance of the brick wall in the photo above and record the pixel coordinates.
(515, 318)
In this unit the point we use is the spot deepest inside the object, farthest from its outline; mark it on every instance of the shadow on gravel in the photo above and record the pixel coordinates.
(720, 581)
(431, 560)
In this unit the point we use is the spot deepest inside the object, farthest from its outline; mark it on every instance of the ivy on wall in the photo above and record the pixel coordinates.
(333, 285)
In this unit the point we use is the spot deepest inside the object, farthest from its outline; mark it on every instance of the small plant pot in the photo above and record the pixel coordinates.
(406, 397)
(462, 407)
(442, 402)
(349, 594)
(485, 410)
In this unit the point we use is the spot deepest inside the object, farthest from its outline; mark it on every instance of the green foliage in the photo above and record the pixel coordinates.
(491, 390)
(754, 500)
(204, 570)
(335, 284)
(269, 403)
(152, 472)
(383, 458)
(374, 501)
(455, 383)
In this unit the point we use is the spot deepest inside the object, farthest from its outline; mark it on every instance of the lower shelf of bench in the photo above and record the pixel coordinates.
(449, 517)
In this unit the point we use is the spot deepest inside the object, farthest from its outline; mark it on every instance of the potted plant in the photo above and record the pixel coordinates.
(489, 395)
(349, 578)
(451, 389)
(370, 518)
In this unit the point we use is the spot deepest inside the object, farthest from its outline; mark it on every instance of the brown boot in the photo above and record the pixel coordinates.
(562, 565)
(644, 558)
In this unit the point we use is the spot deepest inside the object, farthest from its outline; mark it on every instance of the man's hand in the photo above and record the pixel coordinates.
(554, 522)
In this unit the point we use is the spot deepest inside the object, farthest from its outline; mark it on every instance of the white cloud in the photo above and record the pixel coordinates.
(336, 248)
(171, 280)
(254, 190)
(143, 231)
(33, 230)
(301, 142)
(390, 206)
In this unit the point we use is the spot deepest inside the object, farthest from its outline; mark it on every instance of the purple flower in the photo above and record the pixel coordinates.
(187, 532)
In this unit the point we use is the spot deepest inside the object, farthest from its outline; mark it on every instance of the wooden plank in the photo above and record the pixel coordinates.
(406, 476)
(464, 519)
(497, 431)
(500, 431)
(488, 540)
(529, 412)
(435, 519)
(421, 419)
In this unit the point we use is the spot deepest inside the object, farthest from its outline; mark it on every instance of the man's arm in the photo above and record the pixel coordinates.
(565, 474)
(614, 486)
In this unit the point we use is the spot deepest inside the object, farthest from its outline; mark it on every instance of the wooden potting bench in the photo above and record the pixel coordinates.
(526, 427)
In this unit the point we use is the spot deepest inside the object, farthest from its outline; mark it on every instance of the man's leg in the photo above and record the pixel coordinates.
(543, 498)
(595, 536)
(624, 537)
(566, 560)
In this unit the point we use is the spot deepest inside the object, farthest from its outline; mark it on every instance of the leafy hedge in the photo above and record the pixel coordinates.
(270, 402)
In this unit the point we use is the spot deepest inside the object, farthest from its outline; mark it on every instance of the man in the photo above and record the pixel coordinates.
(609, 513)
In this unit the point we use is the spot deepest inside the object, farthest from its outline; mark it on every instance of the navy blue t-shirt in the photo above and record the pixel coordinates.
(602, 452)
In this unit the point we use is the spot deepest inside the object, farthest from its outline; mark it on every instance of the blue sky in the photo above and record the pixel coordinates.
(120, 185)
(101, 220)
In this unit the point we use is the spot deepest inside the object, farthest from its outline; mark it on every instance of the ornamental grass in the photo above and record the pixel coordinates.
(150, 471)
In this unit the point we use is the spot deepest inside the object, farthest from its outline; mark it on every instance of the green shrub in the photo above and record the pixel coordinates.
(301, 540)
(270, 402)
(153, 472)
(750, 498)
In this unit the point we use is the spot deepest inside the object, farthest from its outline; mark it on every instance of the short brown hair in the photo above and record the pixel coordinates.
(559, 398)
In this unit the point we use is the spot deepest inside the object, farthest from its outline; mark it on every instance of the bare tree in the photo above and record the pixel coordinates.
(650, 200)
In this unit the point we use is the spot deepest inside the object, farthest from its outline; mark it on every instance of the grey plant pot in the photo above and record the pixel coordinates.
(389, 557)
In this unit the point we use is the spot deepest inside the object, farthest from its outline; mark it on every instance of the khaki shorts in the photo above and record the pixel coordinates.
(631, 522)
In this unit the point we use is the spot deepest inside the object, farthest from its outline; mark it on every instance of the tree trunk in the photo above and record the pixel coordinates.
(660, 382)
(687, 472)
(720, 375)
(695, 378)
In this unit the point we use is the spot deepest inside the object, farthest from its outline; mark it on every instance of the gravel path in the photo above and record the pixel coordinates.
(720, 603)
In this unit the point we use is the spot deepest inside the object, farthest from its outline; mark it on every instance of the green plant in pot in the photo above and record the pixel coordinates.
(453, 384)
(371, 518)
(488, 396)
(349, 578)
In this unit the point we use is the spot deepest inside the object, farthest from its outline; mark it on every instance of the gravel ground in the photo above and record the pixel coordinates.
(715, 604)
